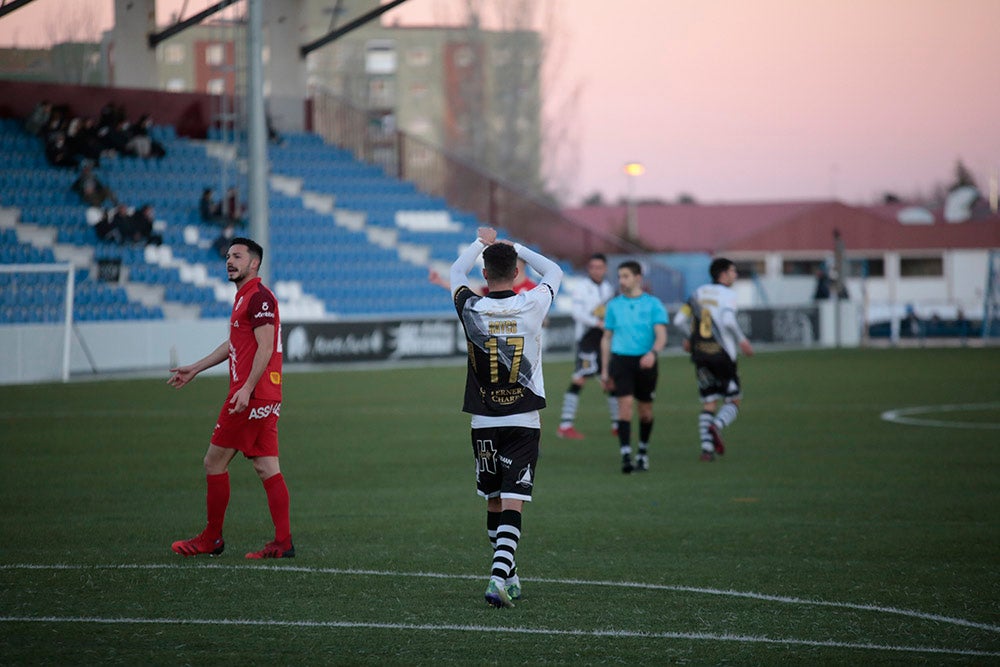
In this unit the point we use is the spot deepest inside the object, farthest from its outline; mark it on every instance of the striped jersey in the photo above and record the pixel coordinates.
(589, 302)
(711, 314)
(503, 332)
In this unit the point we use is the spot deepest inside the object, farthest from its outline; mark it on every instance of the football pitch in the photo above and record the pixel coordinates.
(853, 519)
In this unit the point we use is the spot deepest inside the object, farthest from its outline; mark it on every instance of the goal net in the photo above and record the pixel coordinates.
(36, 321)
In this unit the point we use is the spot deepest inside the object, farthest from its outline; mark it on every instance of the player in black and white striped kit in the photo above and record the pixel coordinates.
(714, 343)
(590, 297)
(504, 390)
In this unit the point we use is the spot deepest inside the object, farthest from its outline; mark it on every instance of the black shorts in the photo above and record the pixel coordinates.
(505, 461)
(630, 380)
(717, 377)
(588, 354)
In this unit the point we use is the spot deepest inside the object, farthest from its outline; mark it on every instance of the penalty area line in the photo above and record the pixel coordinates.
(427, 627)
(542, 580)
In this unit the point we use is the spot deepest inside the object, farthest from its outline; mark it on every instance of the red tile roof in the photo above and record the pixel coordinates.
(789, 226)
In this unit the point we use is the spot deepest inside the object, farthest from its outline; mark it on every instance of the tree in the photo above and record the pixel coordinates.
(963, 177)
(504, 126)
(74, 40)
(594, 199)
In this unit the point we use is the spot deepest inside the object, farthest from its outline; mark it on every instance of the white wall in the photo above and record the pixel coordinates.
(962, 285)
(33, 352)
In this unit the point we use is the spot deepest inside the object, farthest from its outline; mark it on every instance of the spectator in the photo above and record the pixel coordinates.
(56, 125)
(39, 118)
(58, 153)
(210, 210)
(822, 290)
(141, 227)
(89, 140)
(233, 207)
(141, 144)
(116, 139)
(78, 142)
(221, 244)
(110, 116)
(90, 189)
(104, 225)
(120, 217)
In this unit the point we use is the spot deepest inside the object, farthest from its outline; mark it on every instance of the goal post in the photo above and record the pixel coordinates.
(36, 314)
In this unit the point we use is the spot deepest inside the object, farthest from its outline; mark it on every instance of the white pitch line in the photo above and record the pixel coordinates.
(571, 582)
(902, 416)
(623, 634)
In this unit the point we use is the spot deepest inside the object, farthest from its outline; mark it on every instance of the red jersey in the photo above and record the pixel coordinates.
(525, 285)
(255, 305)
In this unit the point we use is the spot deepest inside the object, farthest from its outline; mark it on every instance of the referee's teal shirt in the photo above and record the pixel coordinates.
(632, 319)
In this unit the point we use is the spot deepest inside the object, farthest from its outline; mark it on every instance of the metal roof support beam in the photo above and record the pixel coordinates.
(306, 49)
(8, 7)
(156, 37)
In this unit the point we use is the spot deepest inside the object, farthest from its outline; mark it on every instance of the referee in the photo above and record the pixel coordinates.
(635, 332)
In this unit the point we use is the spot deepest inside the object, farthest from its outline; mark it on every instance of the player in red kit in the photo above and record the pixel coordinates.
(248, 421)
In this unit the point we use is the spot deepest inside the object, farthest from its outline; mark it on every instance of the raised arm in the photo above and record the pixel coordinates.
(550, 271)
(460, 269)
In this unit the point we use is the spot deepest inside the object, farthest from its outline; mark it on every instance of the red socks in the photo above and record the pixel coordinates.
(277, 502)
(217, 501)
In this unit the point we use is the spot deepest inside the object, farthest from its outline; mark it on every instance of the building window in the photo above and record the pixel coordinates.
(420, 127)
(215, 54)
(418, 56)
(748, 268)
(173, 54)
(872, 267)
(502, 56)
(801, 267)
(463, 56)
(215, 86)
(380, 57)
(175, 85)
(418, 91)
(920, 267)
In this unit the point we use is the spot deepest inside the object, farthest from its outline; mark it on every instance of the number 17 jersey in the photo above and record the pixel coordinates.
(503, 333)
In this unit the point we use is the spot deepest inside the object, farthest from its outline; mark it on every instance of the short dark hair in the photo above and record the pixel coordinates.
(601, 256)
(500, 260)
(251, 245)
(719, 266)
(632, 265)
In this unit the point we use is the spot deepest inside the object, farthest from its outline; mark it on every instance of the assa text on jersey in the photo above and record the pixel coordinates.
(264, 411)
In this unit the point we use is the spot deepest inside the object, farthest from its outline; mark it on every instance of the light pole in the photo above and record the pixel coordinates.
(632, 169)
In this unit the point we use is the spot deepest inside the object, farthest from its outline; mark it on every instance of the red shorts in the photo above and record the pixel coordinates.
(253, 431)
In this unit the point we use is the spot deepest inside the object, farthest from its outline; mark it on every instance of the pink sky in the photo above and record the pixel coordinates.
(757, 100)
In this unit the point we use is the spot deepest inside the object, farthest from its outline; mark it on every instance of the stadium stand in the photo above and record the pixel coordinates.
(346, 240)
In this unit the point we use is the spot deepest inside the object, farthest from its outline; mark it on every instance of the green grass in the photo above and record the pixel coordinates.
(817, 501)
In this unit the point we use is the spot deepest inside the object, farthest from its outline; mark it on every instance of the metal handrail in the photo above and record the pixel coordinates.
(462, 185)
